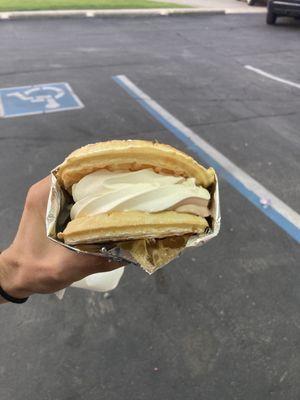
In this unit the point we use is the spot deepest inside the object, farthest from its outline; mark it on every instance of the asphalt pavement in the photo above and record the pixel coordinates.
(222, 321)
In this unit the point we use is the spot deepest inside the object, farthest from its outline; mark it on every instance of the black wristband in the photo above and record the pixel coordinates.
(11, 299)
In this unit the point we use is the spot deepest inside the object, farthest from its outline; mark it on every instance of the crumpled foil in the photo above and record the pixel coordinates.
(57, 217)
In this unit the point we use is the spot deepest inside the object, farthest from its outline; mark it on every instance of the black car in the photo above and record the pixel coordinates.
(282, 8)
(253, 2)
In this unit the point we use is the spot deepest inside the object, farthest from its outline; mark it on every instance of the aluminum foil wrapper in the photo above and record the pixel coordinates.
(57, 217)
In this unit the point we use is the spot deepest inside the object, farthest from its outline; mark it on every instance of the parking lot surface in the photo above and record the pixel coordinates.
(222, 321)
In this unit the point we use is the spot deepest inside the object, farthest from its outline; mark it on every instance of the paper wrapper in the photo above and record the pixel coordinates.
(150, 254)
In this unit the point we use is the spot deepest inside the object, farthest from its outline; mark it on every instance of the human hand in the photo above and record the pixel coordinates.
(35, 264)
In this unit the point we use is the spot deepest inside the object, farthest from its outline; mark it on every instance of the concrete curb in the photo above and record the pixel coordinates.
(109, 13)
(230, 11)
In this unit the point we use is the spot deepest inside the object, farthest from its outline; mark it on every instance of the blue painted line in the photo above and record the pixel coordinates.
(276, 217)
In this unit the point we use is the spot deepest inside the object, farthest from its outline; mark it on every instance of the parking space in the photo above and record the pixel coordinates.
(220, 322)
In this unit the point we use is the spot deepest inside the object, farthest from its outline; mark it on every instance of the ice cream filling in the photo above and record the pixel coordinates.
(144, 190)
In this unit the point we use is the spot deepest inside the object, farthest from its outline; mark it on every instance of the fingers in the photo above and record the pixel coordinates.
(93, 264)
(37, 195)
(86, 264)
(44, 190)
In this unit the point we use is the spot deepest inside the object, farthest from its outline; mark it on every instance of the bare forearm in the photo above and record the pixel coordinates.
(11, 281)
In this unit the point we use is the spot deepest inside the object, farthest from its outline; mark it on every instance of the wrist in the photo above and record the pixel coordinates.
(10, 275)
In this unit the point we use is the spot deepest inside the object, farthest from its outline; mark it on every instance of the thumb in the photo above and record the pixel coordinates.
(93, 264)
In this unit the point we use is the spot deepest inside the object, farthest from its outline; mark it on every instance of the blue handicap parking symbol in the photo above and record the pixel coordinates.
(37, 99)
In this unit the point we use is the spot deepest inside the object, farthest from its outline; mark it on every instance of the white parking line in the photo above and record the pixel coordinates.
(279, 212)
(273, 77)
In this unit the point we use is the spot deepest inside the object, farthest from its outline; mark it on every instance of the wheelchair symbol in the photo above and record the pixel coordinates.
(35, 95)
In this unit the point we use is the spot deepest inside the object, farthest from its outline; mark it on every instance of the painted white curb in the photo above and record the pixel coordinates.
(108, 13)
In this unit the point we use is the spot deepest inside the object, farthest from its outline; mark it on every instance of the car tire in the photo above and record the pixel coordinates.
(271, 18)
(251, 2)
